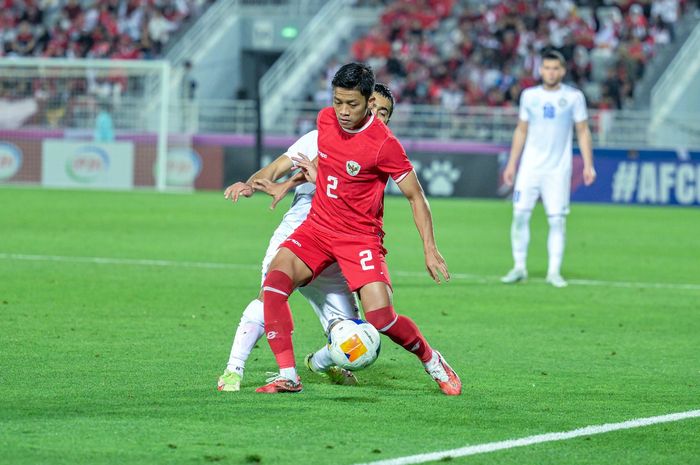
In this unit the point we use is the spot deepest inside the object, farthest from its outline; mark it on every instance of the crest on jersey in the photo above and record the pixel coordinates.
(352, 167)
(562, 102)
(548, 110)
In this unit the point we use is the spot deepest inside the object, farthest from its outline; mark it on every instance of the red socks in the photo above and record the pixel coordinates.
(278, 317)
(400, 329)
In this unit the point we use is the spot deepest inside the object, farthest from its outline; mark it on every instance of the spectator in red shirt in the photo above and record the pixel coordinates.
(126, 49)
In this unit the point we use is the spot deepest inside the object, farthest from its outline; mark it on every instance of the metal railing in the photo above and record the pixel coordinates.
(281, 7)
(610, 128)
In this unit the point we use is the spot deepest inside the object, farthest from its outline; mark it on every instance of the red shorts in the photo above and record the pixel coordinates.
(360, 257)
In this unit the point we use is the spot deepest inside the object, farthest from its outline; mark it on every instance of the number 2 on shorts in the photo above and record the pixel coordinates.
(366, 257)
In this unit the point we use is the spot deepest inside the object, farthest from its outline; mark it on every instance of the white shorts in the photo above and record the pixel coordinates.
(328, 294)
(553, 187)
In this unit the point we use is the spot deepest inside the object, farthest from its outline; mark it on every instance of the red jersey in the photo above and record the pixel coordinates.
(353, 169)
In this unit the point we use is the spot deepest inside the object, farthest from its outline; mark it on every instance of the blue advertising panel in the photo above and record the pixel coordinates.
(645, 177)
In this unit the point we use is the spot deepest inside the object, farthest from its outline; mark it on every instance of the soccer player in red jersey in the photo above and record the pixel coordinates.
(356, 155)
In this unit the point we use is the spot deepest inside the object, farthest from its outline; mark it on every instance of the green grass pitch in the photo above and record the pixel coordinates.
(117, 362)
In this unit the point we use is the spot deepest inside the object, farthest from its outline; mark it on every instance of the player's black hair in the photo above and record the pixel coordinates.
(357, 76)
(383, 90)
(552, 54)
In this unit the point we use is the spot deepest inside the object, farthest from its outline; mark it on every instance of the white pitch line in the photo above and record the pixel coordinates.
(126, 261)
(577, 282)
(538, 439)
(240, 266)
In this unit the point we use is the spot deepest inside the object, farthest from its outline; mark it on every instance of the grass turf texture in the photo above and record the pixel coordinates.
(108, 363)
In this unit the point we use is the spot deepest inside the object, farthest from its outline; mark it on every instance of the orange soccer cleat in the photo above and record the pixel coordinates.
(278, 384)
(445, 376)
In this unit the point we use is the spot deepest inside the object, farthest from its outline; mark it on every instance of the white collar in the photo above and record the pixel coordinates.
(366, 125)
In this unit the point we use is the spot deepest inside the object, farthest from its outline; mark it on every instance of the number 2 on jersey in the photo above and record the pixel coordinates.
(366, 257)
(331, 186)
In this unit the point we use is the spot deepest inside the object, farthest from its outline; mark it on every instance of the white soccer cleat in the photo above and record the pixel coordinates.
(556, 280)
(515, 275)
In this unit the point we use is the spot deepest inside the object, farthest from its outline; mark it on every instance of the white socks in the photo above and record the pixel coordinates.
(250, 329)
(555, 243)
(520, 237)
(289, 373)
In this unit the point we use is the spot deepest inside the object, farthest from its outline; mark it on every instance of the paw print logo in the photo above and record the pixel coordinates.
(441, 178)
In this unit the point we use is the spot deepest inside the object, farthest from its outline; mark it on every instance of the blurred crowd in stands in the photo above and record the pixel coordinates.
(454, 53)
(124, 29)
(449, 53)
(113, 29)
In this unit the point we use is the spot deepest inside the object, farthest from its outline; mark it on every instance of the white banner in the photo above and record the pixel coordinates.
(68, 163)
(184, 165)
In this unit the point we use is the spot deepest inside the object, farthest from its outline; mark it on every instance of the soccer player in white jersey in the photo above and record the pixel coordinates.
(328, 295)
(543, 137)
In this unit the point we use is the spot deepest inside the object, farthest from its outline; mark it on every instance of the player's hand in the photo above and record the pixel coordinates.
(277, 190)
(307, 166)
(589, 175)
(509, 175)
(234, 191)
(436, 266)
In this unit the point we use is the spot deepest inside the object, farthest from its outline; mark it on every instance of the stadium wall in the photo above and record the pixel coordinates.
(445, 168)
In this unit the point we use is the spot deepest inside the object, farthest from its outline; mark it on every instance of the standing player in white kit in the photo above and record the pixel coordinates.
(328, 294)
(547, 114)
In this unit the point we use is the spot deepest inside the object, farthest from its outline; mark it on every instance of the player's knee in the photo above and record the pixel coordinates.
(382, 318)
(254, 313)
(521, 218)
(556, 222)
(278, 282)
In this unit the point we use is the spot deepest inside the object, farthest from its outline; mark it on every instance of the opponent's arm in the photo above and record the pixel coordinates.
(281, 166)
(434, 262)
(516, 150)
(277, 190)
(309, 169)
(585, 144)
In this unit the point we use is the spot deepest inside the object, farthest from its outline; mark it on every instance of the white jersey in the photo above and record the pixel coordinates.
(308, 145)
(550, 115)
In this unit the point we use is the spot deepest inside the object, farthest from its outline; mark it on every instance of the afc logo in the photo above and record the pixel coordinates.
(322, 155)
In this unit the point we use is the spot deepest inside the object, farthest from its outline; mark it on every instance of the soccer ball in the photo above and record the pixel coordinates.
(353, 344)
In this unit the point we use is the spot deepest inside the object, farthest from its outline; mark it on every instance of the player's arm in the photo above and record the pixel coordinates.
(277, 190)
(516, 150)
(585, 144)
(434, 262)
(305, 147)
(281, 166)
